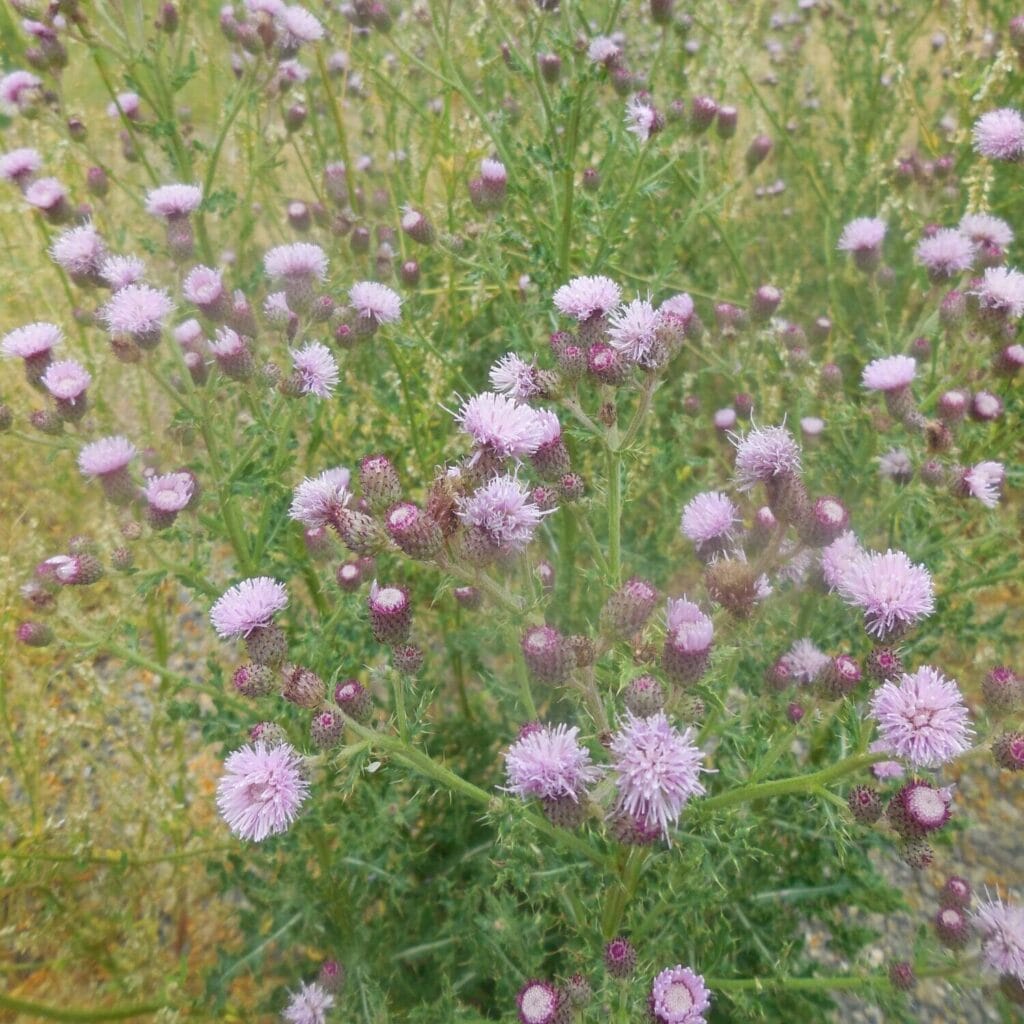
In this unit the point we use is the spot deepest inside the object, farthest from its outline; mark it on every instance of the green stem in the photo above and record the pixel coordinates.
(650, 386)
(339, 123)
(398, 690)
(38, 1011)
(613, 463)
(826, 982)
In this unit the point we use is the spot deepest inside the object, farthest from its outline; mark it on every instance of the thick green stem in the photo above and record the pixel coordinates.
(38, 1011)
(828, 982)
(613, 462)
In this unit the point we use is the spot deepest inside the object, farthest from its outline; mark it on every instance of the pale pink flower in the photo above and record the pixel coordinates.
(549, 763)
(121, 271)
(945, 254)
(999, 134)
(297, 262)
(315, 369)
(173, 201)
(375, 302)
(19, 165)
(500, 424)
(67, 380)
(893, 592)
(137, 309)
(80, 251)
(106, 456)
(261, 790)
(633, 329)
(503, 510)
(763, 454)
(984, 481)
(514, 377)
(1001, 926)
(171, 492)
(247, 606)
(893, 373)
(709, 517)
(318, 501)
(838, 556)
(1001, 291)
(679, 996)
(983, 227)
(586, 297)
(31, 341)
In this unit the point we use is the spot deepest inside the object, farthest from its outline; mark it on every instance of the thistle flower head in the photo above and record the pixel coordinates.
(1001, 291)
(586, 297)
(922, 718)
(501, 424)
(999, 134)
(1001, 926)
(603, 50)
(106, 456)
(46, 193)
(539, 1002)
(170, 492)
(309, 1005)
(128, 103)
(261, 790)
(862, 234)
(173, 201)
(315, 369)
(14, 84)
(983, 227)
(642, 119)
(657, 770)
(634, 328)
(31, 341)
(549, 763)
(945, 254)
(679, 996)
(247, 606)
(121, 271)
(296, 26)
(66, 380)
(203, 286)
(375, 302)
(299, 261)
(318, 500)
(514, 377)
(20, 164)
(679, 307)
(805, 661)
(984, 481)
(79, 251)
(136, 309)
(893, 592)
(503, 510)
(764, 453)
(708, 518)
(893, 373)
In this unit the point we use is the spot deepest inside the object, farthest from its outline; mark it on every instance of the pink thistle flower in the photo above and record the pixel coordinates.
(514, 377)
(983, 481)
(375, 302)
(893, 592)
(31, 341)
(46, 194)
(500, 424)
(983, 227)
(724, 419)
(139, 311)
(945, 254)
(128, 104)
(863, 238)
(708, 520)
(299, 262)
(657, 770)
(584, 298)
(19, 165)
(805, 661)
(549, 763)
(173, 202)
(923, 718)
(318, 501)
(204, 288)
(248, 606)
(261, 790)
(999, 134)
(107, 456)
(170, 493)
(80, 251)
(296, 26)
(893, 373)
(15, 85)
(763, 454)
(679, 308)
(681, 615)
(66, 380)
(502, 510)
(633, 329)
(1001, 291)
(539, 1002)
(642, 119)
(315, 369)
(121, 271)
(275, 308)
(603, 50)
(838, 556)
(309, 1005)
(679, 996)
(896, 465)
(1001, 926)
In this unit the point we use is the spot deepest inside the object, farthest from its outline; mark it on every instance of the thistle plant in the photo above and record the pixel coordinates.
(591, 590)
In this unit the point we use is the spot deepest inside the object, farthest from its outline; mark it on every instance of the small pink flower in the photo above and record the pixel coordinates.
(709, 517)
(549, 763)
(984, 481)
(170, 492)
(805, 661)
(19, 165)
(838, 556)
(503, 511)
(318, 501)
(514, 377)
(15, 85)
(763, 454)
(31, 341)
(500, 424)
(247, 606)
(67, 380)
(80, 251)
(603, 50)
(203, 287)
(999, 134)
(861, 235)
(297, 26)
(46, 194)
(300, 261)
(1001, 291)
(375, 302)
(893, 592)
(642, 119)
(121, 271)
(983, 227)
(107, 456)
(633, 329)
(679, 996)
(1001, 926)
(945, 254)
(892, 373)
(174, 201)
(315, 369)
(128, 104)
(586, 297)
(137, 310)
(261, 790)
(309, 1005)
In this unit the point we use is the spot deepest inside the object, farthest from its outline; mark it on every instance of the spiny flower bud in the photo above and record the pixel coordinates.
(407, 659)
(1002, 690)
(956, 892)
(702, 113)
(414, 531)
(254, 680)
(34, 634)
(620, 958)
(360, 533)
(578, 990)
(352, 697)
(644, 697)
(349, 576)
(565, 811)
(795, 713)
(726, 122)
(865, 804)
(607, 365)
(268, 733)
(302, 686)
(326, 729)
(629, 608)
(902, 976)
(390, 613)
(469, 597)
(917, 809)
(1008, 751)
(758, 151)
(952, 927)
(379, 481)
(884, 663)
(549, 655)
(916, 853)
(267, 645)
(840, 677)
(733, 585)
(332, 975)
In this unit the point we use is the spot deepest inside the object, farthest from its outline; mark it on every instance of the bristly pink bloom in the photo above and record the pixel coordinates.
(309, 1005)
(130, 105)
(46, 194)
(375, 302)
(603, 50)
(893, 592)
(683, 617)
(634, 328)
(983, 227)
(204, 287)
(837, 557)
(984, 482)
(137, 310)
(514, 377)
(31, 341)
(19, 165)
(275, 308)
(1001, 926)
(999, 134)
(14, 85)
(586, 297)
(642, 119)
(549, 763)
(892, 373)
(173, 201)
(862, 234)
(261, 790)
(923, 718)
(316, 370)
(709, 519)
(539, 1002)
(493, 172)
(106, 456)
(1001, 291)
(503, 510)
(67, 380)
(171, 492)
(251, 604)
(679, 996)
(297, 262)
(318, 500)
(805, 661)
(657, 770)
(885, 771)
(80, 251)
(945, 254)
(121, 271)
(679, 308)
(764, 453)
(296, 26)
(501, 425)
